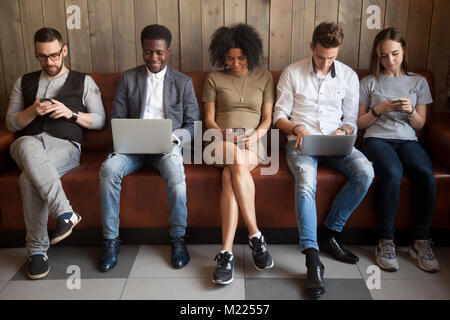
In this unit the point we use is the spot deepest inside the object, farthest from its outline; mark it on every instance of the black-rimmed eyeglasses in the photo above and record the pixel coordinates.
(53, 56)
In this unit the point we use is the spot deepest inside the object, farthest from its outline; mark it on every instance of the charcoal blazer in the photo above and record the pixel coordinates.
(179, 100)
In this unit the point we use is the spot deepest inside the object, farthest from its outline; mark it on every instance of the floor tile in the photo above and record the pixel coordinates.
(409, 270)
(86, 259)
(11, 259)
(3, 284)
(289, 262)
(105, 289)
(412, 290)
(294, 289)
(183, 289)
(154, 262)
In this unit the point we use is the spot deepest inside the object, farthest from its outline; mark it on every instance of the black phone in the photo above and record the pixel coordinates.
(45, 100)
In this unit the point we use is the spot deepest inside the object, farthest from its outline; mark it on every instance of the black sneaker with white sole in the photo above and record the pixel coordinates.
(225, 268)
(64, 227)
(261, 256)
(38, 266)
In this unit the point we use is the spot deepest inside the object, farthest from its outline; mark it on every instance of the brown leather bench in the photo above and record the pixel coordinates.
(144, 202)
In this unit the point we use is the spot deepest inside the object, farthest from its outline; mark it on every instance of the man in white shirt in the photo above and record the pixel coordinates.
(151, 91)
(321, 96)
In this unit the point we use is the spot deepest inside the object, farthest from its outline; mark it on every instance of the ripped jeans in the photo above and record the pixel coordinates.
(304, 169)
(117, 166)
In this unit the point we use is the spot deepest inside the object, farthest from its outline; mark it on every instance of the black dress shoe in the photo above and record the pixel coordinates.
(338, 251)
(180, 256)
(315, 286)
(109, 257)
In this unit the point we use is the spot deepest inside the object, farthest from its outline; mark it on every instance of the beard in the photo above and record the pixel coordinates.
(52, 70)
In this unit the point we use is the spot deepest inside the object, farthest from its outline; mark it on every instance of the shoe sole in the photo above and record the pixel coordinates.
(268, 267)
(223, 282)
(413, 254)
(392, 269)
(65, 235)
(39, 276)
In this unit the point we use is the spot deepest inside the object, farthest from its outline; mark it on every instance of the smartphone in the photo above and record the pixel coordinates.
(239, 131)
(395, 100)
(45, 100)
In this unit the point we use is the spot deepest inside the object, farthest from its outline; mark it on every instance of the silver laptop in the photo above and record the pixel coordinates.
(327, 145)
(147, 136)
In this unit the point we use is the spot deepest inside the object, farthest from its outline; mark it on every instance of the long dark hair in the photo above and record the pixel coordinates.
(376, 68)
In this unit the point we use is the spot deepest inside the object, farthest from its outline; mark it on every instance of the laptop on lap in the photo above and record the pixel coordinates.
(327, 145)
(142, 136)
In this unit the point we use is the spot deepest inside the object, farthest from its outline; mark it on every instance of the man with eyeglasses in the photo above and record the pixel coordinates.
(49, 109)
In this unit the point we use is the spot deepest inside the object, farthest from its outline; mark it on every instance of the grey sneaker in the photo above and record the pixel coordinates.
(385, 255)
(421, 250)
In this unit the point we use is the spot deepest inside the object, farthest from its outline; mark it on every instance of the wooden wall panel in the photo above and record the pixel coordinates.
(326, 10)
(191, 35)
(54, 12)
(397, 15)
(167, 15)
(350, 19)
(303, 13)
(109, 37)
(212, 19)
(144, 15)
(439, 53)
(80, 39)
(258, 16)
(235, 11)
(367, 35)
(32, 20)
(280, 34)
(124, 34)
(100, 24)
(11, 43)
(419, 23)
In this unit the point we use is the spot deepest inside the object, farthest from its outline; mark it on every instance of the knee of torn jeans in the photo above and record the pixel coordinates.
(305, 179)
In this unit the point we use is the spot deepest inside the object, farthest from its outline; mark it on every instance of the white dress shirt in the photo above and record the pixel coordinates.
(319, 104)
(154, 108)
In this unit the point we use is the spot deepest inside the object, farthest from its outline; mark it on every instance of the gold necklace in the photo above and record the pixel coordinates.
(241, 95)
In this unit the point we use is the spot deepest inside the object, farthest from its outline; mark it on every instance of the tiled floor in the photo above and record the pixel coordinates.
(144, 272)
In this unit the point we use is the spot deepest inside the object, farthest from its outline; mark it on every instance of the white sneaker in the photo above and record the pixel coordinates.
(385, 255)
(422, 251)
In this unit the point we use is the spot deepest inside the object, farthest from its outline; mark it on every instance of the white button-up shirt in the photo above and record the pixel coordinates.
(319, 104)
(154, 108)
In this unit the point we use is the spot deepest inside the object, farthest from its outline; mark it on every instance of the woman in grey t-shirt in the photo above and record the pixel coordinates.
(392, 107)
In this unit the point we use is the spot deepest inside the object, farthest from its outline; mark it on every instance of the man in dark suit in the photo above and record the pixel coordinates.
(151, 91)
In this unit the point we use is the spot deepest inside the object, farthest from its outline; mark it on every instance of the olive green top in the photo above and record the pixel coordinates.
(226, 89)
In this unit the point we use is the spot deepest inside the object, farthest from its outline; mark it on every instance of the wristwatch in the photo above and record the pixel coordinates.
(74, 117)
(344, 130)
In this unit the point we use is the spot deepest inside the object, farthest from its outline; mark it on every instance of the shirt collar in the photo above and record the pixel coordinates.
(159, 76)
(333, 68)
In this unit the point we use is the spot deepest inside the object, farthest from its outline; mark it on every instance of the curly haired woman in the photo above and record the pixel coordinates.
(238, 101)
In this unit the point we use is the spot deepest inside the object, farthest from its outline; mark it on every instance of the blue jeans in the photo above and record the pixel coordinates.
(391, 159)
(304, 169)
(117, 166)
